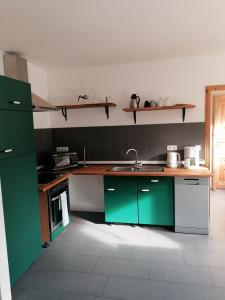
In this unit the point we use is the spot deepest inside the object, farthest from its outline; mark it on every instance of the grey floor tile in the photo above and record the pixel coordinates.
(122, 267)
(170, 241)
(180, 273)
(158, 255)
(67, 281)
(210, 245)
(69, 247)
(108, 250)
(190, 292)
(69, 296)
(22, 293)
(72, 262)
(210, 259)
(133, 289)
(218, 276)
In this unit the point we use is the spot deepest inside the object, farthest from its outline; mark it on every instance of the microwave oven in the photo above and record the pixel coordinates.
(63, 160)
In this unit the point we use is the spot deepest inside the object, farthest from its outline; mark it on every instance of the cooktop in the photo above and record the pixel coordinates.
(44, 178)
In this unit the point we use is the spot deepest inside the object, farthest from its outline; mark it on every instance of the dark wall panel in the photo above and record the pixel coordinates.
(112, 142)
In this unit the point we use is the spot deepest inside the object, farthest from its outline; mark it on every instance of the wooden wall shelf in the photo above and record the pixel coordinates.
(177, 106)
(106, 105)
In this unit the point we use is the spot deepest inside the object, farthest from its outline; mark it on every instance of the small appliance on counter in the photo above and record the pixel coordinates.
(173, 159)
(192, 157)
(62, 160)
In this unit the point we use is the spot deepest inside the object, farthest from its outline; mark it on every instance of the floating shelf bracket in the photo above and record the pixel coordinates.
(135, 116)
(183, 113)
(107, 111)
(64, 113)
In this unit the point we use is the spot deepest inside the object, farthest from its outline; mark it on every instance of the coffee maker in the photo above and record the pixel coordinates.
(192, 157)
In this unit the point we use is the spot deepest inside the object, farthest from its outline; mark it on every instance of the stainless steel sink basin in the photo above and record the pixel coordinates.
(123, 169)
(133, 169)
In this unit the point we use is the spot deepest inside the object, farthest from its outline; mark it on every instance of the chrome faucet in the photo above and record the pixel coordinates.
(138, 162)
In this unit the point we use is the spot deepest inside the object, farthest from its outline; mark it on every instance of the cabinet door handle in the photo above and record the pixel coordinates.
(145, 190)
(16, 102)
(110, 189)
(154, 180)
(6, 150)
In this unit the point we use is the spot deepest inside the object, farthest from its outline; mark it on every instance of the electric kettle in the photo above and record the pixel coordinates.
(134, 101)
(173, 158)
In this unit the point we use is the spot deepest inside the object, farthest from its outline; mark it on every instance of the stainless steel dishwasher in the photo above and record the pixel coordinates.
(192, 205)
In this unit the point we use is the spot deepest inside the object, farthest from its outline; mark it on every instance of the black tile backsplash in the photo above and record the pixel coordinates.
(44, 144)
(112, 142)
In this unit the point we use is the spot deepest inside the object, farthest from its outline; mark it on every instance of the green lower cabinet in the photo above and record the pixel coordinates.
(121, 199)
(21, 212)
(139, 200)
(156, 200)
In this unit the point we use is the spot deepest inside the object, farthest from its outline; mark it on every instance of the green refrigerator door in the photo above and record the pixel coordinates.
(21, 212)
(16, 134)
(15, 94)
(121, 199)
(156, 200)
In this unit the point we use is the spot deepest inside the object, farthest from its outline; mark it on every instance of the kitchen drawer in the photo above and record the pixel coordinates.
(15, 94)
(16, 134)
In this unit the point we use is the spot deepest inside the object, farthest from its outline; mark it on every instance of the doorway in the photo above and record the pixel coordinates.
(215, 134)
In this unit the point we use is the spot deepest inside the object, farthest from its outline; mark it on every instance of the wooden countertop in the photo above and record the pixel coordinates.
(104, 171)
(46, 186)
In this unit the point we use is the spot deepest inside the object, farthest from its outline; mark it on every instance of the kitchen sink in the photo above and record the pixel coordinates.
(134, 169)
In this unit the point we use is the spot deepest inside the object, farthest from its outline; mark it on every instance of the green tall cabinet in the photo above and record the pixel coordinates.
(18, 176)
(139, 200)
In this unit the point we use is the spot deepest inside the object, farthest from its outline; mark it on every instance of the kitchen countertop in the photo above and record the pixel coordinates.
(46, 186)
(103, 170)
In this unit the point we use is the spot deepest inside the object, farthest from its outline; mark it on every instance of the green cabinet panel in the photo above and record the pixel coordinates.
(21, 212)
(156, 200)
(121, 199)
(16, 133)
(15, 94)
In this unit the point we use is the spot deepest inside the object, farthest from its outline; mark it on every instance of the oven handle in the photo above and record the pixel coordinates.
(56, 198)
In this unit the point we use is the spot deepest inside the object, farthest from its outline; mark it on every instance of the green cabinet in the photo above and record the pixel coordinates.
(16, 134)
(18, 176)
(121, 199)
(15, 94)
(21, 212)
(156, 200)
(139, 200)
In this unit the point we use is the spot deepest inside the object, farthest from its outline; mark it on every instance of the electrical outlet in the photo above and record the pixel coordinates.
(62, 149)
(171, 147)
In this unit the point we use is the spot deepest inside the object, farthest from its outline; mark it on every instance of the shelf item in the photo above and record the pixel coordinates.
(106, 105)
(177, 106)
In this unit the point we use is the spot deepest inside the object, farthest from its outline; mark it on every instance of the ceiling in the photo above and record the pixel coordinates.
(72, 33)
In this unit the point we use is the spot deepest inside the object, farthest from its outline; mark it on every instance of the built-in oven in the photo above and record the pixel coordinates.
(56, 196)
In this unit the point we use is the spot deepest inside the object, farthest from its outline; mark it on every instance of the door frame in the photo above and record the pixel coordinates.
(209, 121)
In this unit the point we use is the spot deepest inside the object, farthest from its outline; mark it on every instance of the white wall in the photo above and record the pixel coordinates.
(182, 79)
(38, 80)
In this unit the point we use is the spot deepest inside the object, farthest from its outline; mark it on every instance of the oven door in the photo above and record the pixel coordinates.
(55, 212)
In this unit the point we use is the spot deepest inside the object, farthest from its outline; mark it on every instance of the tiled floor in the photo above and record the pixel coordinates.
(94, 261)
